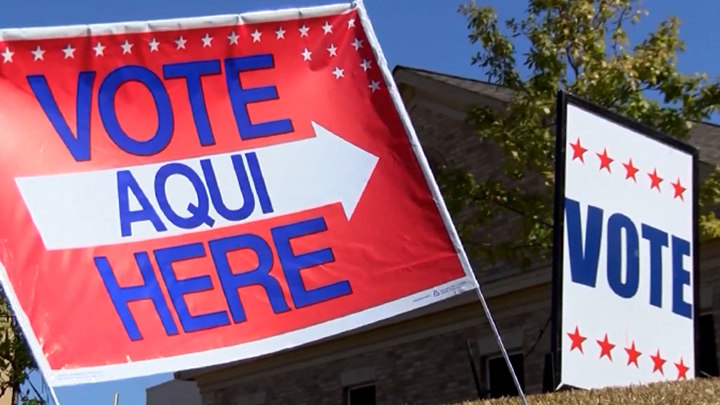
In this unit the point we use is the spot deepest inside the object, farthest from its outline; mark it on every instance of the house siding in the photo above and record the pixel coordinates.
(173, 392)
(425, 360)
(447, 139)
(421, 361)
(710, 284)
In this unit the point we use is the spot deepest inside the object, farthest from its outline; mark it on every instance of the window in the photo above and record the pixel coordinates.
(499, 380)
(360, 395)
(708, 351)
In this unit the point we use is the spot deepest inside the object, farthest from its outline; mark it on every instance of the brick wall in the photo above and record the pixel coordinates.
(449, 141)
(427, 364)
(423, 361)
(431, 369)
(710, 283)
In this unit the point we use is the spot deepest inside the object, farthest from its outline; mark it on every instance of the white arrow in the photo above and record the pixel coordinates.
(82, 209)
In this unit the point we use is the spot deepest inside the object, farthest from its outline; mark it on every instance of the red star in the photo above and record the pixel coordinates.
(658, 362)
(631, 170)
(577, 340)
(605, 160)
(632, 355)
(578, 151)
(606, 348)
(655, 180)
(679, 189)
(682, 369)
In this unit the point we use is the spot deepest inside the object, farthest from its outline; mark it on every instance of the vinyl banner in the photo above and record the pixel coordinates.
(627, 267)
(184, 193)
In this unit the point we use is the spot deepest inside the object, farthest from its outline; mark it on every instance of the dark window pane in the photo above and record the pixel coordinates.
(708, 351)
(362, 395)
(501, 381)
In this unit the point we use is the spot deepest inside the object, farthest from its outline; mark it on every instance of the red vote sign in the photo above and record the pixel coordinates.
(184, 193)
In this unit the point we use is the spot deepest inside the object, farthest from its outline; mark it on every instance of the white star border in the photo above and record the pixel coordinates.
(183, 39)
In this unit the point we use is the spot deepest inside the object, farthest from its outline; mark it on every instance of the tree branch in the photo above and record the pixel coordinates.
(571, 62)
(618, 26)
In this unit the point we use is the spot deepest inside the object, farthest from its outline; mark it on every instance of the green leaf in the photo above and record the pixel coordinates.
(567, 50)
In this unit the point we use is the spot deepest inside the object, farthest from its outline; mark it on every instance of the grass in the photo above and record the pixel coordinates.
(694, 392)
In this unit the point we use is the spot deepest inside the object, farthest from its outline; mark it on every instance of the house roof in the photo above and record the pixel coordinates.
(477, 86)
(705, 136)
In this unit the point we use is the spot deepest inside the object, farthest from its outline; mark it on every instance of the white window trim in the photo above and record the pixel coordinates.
(356, 377)
(706, 299)
(257, 398)
(513, 341)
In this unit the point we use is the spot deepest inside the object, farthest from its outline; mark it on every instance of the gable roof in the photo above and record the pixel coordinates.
(481, 87)
(705, 136)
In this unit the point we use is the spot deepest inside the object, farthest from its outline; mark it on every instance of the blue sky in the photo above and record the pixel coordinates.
(427, 34)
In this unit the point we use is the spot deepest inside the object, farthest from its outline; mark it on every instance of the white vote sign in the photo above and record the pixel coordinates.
(626, 284)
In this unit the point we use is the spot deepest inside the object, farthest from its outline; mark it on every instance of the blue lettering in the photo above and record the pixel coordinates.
(178, 288)
(79, 147)
(122, 296)
(292, 264)
(106, 106)
(681, 277)
(231, 280)
(583, 260)
(616, 224)
(623, 250)
(248, 204)
(199, 212)
(259, 182)
(126, 183)
(240, 97)
(260, 275)
(193, 72)
(658, 240)
(79, 144)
